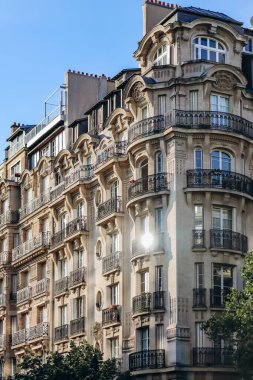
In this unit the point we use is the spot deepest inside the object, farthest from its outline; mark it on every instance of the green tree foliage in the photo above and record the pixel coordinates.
(81, 363)
(235, 324)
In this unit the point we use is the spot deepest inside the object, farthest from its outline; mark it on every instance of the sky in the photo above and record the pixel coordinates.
(40, 40)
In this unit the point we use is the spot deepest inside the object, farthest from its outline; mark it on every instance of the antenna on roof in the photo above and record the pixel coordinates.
(251, 22)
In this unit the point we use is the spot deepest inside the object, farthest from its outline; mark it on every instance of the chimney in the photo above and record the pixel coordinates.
(14, 126)
(153, 12)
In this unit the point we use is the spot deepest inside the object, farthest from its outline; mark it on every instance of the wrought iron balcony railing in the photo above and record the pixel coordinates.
(76, 225)
(142, 303)
(146, 127)
(23, 294)
(212, 357)
(150, 184)
(61, 332)
(38, 331)
(61, 285)
(57, 191)
(34, 204)
(5, 257)
(227, 239)
(213, 120)
(19, 337)
(40, 287)
(148, 359)
(9, 217)
(77, 277)
(77, 326)
(111, 315)
(199, 239)
(218, 297)
(84, 172)
(157, 245)
(42, 240)
(109, 207)
(118, 149)
(111, 262)
(159, 300)
(199, 298)
(219, 179)
(2, 300)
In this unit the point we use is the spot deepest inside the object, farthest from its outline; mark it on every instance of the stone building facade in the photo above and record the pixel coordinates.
(127, 212)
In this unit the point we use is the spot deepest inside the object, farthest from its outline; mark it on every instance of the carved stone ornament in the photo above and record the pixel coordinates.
(224, 81)
(137, 93)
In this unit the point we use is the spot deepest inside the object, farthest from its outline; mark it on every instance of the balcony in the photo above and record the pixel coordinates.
(23, 295)
(2, 300)
(77, 326)
(61, 286)
(117, 150)
(40, 287)
(199, 298)
(42, 240)
(159, 300)
(218, 297)
(2, 342)
(106, 209)
(77, 277)
(14, 148)
(151, 184)
(38, 332)
(228, 240)
(222, 121)
(111, 263)
(75, 226)
(142, 303)
(199, 239)
(157, 246)
(9, 217)
(111, 316)
(148, 359)
(219, 179)
(83, 173)
(213, 357)
(35, 204)
(57, 191)
(147, 127)
(61, 332)
(5, 257)
(19, 337)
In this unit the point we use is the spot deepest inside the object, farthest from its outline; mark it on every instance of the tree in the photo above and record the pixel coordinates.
(235, 324)
(81, 363)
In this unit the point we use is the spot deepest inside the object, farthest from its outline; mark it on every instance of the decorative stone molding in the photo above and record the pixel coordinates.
(181, 333)
(137, 92)
(224, 81)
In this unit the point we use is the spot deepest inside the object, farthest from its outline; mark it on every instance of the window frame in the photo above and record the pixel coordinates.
(161, 58)
(198, 47)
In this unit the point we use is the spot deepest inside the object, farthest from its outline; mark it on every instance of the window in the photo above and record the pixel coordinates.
(222, 218)
(80, 210)
(219, 107)
(45, 184)
(222, 281)
(99, 249)
(114, 189)
(15, 240)
(193, 95)
(159, 337)
(144, 169)
(13, 324)
(63, 315)
(161, 56)
(159, 162)
(42, 314)
(4, 206)
(41, 271)
(63, 221)
(14, 286)
(159, 278)
(144, 224)
(144, 339)
(162, 104)
(200, 336)
(199, 275)
(198, 217)
(25, 322)
(198, 158)
(99, 301)
(159, 227)
(144, 278)
(115, 348)
(45, 225)
(77, 310)
(220, 160)
(16, 171)
(249, 47)
(13, 366)
(114, 294)
(78, 259)
(144, 113)
(209, 48)
(115, 243)
(62, 267)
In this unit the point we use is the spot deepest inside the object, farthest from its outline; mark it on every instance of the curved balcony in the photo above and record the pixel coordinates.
(108, 208)
(148, 359)
(83, 173)
(111, 316)
(111, 263)
(115, 150)
(147, 127)
(152, 184)
(142, 303)
(228, 240)
(219, 179)
(213, 357)
(222, 121)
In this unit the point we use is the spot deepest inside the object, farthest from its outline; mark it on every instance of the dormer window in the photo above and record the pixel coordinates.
(161, 56)
(209, 48)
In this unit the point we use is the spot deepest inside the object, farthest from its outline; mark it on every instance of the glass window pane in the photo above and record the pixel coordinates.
(213, 56)
(203, 54)
(212, 43)
(203, 41)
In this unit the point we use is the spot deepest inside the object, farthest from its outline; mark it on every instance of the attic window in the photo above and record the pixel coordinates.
(209, 48)
(161, 56)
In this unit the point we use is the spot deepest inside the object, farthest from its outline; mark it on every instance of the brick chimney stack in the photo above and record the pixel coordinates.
(14, 126)
(153, 12)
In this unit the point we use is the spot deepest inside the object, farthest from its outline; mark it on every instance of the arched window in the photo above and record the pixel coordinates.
(220, 160)
(159, 162)
(198, 158)
(209, 48)
(99, 249)
(161, 56)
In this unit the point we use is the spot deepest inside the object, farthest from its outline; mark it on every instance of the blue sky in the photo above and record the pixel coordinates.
(42, 39)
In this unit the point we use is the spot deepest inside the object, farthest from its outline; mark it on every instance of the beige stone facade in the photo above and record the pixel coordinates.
(128, 226)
